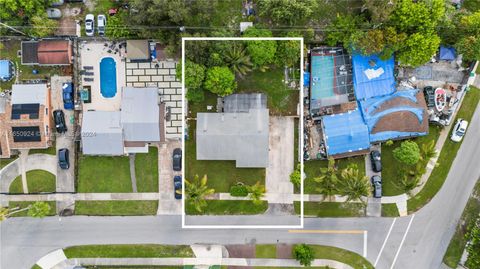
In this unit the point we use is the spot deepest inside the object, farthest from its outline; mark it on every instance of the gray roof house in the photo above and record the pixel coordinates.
(240, 136)
(129, 130)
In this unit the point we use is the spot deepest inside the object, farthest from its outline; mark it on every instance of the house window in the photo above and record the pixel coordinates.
(46, 111)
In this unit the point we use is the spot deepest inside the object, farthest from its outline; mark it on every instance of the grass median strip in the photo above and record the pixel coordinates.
(228, 207)
(129, 251)
(342, 255)
(390, 210)
(446, 158)
(52, 204)
(331, 209)
(116, 208)
(50, 151)
(266, 251)
(457, 243)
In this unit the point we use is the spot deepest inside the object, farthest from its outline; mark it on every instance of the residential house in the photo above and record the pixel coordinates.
(47, 52)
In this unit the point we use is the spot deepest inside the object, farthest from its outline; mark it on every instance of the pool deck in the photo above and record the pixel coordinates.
(91, 55)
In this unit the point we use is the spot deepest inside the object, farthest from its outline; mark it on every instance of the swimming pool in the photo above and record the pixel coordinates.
(108, 77)
(322, 77)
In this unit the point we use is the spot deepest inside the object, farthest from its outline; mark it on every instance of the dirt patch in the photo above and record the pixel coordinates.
(284, 251)
(67, 25)
(241, 251)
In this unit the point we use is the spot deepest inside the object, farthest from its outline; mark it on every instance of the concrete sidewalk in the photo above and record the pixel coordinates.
(81, 197)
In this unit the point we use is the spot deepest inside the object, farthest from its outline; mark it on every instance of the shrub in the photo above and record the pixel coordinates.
(296, 177)
(389, 143)
(239, 190)
(304, 254)
(408, 153)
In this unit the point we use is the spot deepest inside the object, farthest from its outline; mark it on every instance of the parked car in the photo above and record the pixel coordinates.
(59, 119)
(377, 186)
(90, 25)
(57, 3)
(63, 158)
(429, 94)
(177, 159)
(67, 89)
(177, 185)
(459, 130)
(376, 161)
(54, 13)
(101, 24)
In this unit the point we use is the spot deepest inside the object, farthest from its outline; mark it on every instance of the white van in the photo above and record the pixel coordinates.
(101, 23)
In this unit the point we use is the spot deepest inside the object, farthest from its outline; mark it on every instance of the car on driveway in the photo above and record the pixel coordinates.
(429, 94)
(375, 157)
(101, 24)
(177, 159)
(67, 92)
(377, 186)
(63, 158)
(459, 130)
(59, 119)
(89, 25)
(177, 186)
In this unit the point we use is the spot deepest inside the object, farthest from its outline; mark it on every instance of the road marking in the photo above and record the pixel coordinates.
(403, 240)
(385, 241)
(327, 231)
(365, 240)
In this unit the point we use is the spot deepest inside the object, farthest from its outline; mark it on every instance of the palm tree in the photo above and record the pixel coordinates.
(354, 185)
(257, 192)
(328, 180)
(428, 150)
(237, 60)
(35, 210)
(196, 192)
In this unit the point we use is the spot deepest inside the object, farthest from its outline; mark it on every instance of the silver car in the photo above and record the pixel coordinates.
(54, 13)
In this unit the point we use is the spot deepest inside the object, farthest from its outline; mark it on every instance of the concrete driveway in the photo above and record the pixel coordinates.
(374, 206)
(65, 177)
(280, 160)
(167, 205)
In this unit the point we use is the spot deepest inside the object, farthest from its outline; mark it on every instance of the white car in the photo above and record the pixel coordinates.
(101, 24)
(459, 130)
(89, 25)
(54, 13)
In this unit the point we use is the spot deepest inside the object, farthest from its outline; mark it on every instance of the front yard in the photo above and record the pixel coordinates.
(312, 170)
(103, 174)
(146, 170)
(221, 174)
(37, 181)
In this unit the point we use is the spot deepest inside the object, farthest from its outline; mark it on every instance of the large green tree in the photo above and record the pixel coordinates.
(379, 11)
(286, 12)
(262, 52)
(418, 49)
(288, 51)
(417, 16)
(327, 181)
(220, 80)
(354, 185)
(304, 254)
(469, 47)
(194, 76)
(238, 60)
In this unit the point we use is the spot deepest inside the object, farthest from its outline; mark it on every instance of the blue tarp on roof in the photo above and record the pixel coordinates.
(5, 70)
(345, 133)
(447, 53)
(372, 76)
(306, 79)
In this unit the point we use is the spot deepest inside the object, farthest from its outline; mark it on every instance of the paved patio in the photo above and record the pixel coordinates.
(91, 53)
(162, 75)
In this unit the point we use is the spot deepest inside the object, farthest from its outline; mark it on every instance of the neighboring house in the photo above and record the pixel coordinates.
(47, 52)
(130, 130)
(240, 133)
(138, 50)
(24, 118)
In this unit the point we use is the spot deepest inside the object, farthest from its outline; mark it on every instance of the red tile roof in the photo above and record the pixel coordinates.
(54, 52)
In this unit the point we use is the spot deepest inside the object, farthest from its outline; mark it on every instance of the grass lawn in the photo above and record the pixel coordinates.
(228, 207)
(4, 162)
(146, 170)
(209, 100)
(50, 151)
(103, 174)
(9, 51)
(37, 180)
(390, 210)
(460, 238)
(342, 255)
(447, 155)
(221, 174)
(36, 267)
(52, 204)
(312, 170)
(116, 208)
(129, 251)
(391, 168)
(266, 251)
(281, 100)
(331, 209)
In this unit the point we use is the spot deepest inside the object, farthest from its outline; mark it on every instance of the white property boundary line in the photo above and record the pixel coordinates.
(300, 135)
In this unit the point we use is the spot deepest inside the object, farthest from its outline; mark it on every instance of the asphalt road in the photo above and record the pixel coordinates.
(389, 245)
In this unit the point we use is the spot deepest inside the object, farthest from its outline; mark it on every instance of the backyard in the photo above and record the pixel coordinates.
(37, 181)
(221, 174)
